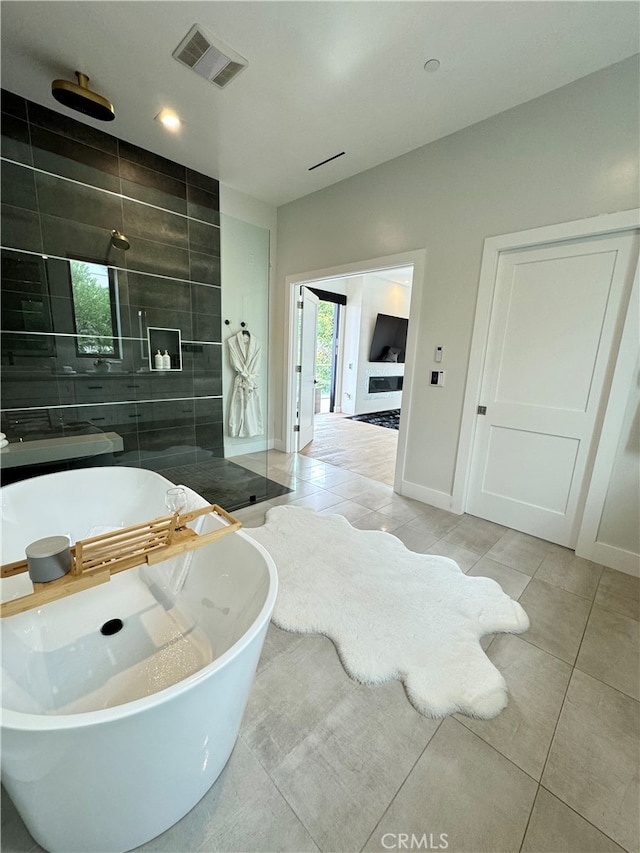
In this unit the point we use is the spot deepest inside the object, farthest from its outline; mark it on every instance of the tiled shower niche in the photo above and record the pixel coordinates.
(74, 370)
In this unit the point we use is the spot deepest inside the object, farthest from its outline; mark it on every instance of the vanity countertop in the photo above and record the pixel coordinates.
(44, 450)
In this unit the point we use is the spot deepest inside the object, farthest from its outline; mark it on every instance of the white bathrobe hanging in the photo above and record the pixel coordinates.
(245, 415)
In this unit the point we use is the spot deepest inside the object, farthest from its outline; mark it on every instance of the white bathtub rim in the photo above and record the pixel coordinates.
(19, 721)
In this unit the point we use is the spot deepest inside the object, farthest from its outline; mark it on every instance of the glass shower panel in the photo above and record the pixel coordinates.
(245, 359)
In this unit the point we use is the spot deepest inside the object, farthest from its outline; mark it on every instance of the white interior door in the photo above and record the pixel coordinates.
(307, 386)
(555, 324)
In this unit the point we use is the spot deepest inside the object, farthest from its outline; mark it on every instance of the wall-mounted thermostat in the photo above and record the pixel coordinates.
(437, 378)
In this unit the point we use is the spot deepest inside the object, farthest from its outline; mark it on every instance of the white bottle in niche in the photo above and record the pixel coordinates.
(158, 361)
(166, 360)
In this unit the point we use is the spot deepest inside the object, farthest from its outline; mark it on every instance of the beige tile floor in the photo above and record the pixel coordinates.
(323, 763)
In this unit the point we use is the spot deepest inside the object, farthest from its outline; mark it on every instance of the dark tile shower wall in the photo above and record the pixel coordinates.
(65, 186)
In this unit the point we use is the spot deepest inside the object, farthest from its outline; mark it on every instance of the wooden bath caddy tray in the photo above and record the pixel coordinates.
(94, 560)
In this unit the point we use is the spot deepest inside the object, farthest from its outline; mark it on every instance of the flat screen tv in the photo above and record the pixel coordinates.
(389, 340)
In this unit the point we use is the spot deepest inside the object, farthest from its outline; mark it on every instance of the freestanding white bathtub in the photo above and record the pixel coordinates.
(109, 740)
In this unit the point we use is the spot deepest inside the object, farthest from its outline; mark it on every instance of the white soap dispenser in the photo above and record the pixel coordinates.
(166, 360)
(158, 361)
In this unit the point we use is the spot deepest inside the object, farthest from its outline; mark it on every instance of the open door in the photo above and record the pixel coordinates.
(307, 373)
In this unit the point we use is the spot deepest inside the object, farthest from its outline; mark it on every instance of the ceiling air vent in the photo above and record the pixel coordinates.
(209, 57)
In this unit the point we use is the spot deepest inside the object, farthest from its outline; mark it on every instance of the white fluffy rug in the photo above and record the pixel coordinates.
(392, 613)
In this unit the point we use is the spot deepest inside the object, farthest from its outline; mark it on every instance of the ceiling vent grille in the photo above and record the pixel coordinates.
(209, 57)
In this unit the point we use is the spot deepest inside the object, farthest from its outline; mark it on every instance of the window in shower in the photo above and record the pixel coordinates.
(95, 309)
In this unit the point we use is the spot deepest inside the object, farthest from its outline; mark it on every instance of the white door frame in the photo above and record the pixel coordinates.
(417, 259)
(626, 220)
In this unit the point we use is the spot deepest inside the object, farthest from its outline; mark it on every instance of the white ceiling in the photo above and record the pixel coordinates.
(323, 77)
(398, 275)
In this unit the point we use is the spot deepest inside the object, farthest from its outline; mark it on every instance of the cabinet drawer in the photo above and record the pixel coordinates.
(106, 389)
(109, 416)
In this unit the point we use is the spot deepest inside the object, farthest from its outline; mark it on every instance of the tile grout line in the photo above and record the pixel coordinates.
(404, 781)
(123, 197)
(609, 686)
(275, 785)
(553, 654)
(270, 777)
(537, 782)
(610, 609)
(496, 750)
(582, 817)
(533, 805)
(581, 598)
(483, 741)
(564, 698)
(507, 566)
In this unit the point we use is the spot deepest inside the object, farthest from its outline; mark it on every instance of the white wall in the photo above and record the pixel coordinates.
(248, 234)
(379, 296)
(570, 154)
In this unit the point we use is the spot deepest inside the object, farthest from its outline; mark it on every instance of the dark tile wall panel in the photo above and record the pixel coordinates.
(149, 160)
(75, 160)
(70, 128)
(77, 202)
(208, 410)
(20, 228)
(158, 258)
(19, 187)
(153, 223)
(154, 188)
(65, 186)
(15, 139)
(206, 326)
(203, 182)
(204, 238)
(206, 300)
(204, 268)
(13, 105)
(67, 238)
(203, 205)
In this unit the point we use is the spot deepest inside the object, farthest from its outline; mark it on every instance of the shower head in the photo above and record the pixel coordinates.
(78, 96)
(119, 241)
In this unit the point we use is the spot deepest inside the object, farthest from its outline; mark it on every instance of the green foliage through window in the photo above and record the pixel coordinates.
(93, 309)
(324, 346)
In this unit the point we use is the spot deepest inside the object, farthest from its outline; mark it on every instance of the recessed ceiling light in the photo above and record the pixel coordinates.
(432, 65)
(169, 119)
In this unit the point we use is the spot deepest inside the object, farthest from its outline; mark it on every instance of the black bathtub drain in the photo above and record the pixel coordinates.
(112, 627)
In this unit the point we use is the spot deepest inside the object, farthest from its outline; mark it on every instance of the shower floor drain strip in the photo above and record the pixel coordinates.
(95, 559)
